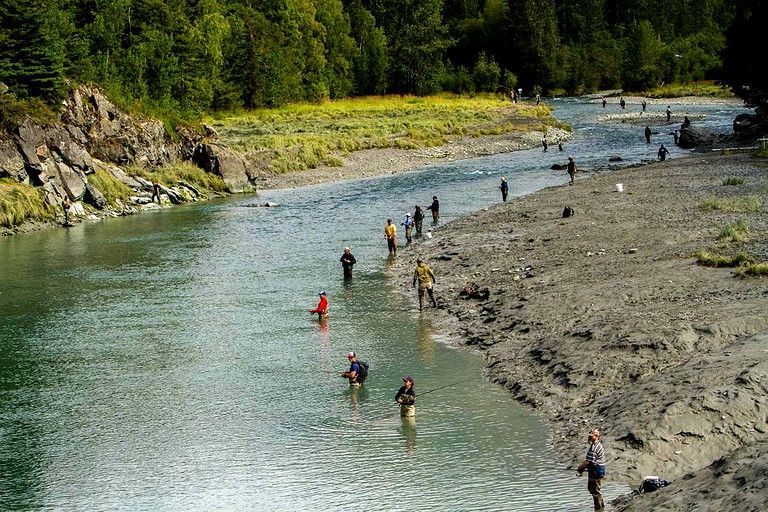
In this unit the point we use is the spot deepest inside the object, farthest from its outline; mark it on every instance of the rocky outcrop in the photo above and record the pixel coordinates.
(92, 134)
(751, 126)
(694, 137)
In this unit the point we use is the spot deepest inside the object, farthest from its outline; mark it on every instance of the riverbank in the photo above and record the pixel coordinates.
(604, 319)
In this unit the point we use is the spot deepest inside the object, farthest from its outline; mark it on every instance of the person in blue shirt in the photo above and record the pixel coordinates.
(504, 187)
(435, 207)
(354, 370)
(408, 223)
(663, 152)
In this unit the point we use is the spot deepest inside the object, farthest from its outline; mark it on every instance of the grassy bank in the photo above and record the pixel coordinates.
(705, 88)
(20, 203)
(306, 136)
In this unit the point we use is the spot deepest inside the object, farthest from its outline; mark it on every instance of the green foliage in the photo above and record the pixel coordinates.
(174, 174)
(21, 203)
(733, 181)
(112, 188)
(708, 259)
(13, 111)
(733, 205)
(734, 232)
(752, 269)
(486, 74)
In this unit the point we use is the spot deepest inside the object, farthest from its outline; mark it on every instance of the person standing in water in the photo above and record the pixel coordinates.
(406, 397)
(390, 233)
(663, 152)
(504, 187)
(426, 278)
(647, 134)
(408, 224)
(669, 113)
(435, 208)
(544, 142)
(354, 373)
(572, 169)
(66, 206)
(594, 465)
(322, 307)
(418, 218)
(347, 262)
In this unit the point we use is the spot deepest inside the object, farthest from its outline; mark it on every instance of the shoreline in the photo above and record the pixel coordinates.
(604, 319)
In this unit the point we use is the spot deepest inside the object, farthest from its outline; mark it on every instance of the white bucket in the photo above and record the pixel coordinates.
(619, 187)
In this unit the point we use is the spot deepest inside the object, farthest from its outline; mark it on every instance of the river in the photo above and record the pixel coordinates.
(168, 360)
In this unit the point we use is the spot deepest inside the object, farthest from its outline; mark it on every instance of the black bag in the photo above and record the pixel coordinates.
(363, 373)
(652, 484)
(568, 212)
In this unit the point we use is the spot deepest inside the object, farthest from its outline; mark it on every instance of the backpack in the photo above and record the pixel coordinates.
(568, 212)
(652, 484)
(363, 373)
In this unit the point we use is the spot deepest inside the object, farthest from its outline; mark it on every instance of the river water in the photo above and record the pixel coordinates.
(168, 361)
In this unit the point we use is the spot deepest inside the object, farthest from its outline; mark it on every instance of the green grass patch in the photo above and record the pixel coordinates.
(112, 188)
(708, 259)
(707, 88)
(732, 205)
(172, 175)
(20, 203)
(307, 135)
(733, 181)
(734, 232)
(752, 269)
(13, 112)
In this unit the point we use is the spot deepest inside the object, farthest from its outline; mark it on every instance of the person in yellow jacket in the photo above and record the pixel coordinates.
(425, 277)
(390, 233)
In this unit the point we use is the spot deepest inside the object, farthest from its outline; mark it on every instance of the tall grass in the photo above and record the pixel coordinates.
(306, 136)
(734, 232)
(733, 181)
(112, 188)
(173, 174)
(702, 88)
(20, 203)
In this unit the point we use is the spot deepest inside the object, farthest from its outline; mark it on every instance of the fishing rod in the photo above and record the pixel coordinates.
(446, 386)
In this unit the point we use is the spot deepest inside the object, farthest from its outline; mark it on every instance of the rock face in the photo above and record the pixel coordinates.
(94, 134)
(751, 126)
(693, 137)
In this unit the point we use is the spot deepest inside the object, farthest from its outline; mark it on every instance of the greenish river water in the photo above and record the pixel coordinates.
(168, 361)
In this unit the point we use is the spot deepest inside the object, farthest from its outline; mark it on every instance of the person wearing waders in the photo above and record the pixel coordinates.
(408, 223)
(504, 187)
(560, 143)
(66, 205)
(663, 152)
(390, 233)
(647, 134)
(418, 218)
(644, 104)
(594, 465)
(622, 103)
(322, 307)
(354, 371)
(572, 169)
(406, 397)
(435, 208)
(669, 113)
(426, 278)
(347, 262)
(604, 102)
(544, 142)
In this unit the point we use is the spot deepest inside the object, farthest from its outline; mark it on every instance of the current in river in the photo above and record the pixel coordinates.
(168, 360)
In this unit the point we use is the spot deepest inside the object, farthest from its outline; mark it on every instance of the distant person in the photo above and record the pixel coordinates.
(322, 307)
(544, 142)
(560, 143)
(622, 103)
(571, 169)
(663, 152)
(604, 102)
(686, 122)
(669, 113)
(504, 187)
(647, 134)
(390, 233)
(418, 218)
(426, 278)
(406, 397)
(644, 105)
(538, 99)
(66, 206)
(408, 224)
(594, 465)
(347, 262)
(356, 373)
(156, 192)
(435, 208)
(676, 136)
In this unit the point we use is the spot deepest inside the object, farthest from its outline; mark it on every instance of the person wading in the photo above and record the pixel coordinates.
(504, 187)
(435, 208)
(322, 307)
(354, 374)
(594, 465)
(408, 223)
(647, 134)
(572, 169)
(347, 262)
(390, 233)
(663, 152)
(418, 218)
(406, 397)
(425, 277)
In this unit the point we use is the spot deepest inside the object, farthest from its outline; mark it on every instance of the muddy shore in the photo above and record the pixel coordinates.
(604, 319)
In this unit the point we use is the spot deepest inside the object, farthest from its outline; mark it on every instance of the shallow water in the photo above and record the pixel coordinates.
(167, 361)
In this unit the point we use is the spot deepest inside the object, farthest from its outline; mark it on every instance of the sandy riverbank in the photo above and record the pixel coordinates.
(605, 319)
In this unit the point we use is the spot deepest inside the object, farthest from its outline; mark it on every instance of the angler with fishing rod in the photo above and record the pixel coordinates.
(406, 397)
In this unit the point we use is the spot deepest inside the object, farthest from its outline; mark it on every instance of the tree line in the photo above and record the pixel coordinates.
(196, 56)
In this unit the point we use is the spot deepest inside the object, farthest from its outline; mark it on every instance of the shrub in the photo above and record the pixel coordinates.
(735, 232)
(20, 203)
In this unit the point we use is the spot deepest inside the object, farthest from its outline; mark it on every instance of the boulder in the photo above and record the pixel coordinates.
(750, 126)
(615, 158)
(72, 181)
(559, 167)
(227, 163)
(11, 163)
(95, 197)
(693, 137)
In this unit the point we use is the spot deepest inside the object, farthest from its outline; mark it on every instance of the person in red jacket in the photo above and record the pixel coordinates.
(322, 308)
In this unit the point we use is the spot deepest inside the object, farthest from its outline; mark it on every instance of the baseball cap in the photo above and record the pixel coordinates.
(323, 293)
(408, 379)
(407, 214)
(351, 354)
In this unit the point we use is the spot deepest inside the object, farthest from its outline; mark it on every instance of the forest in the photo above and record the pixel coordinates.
(195, 56)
